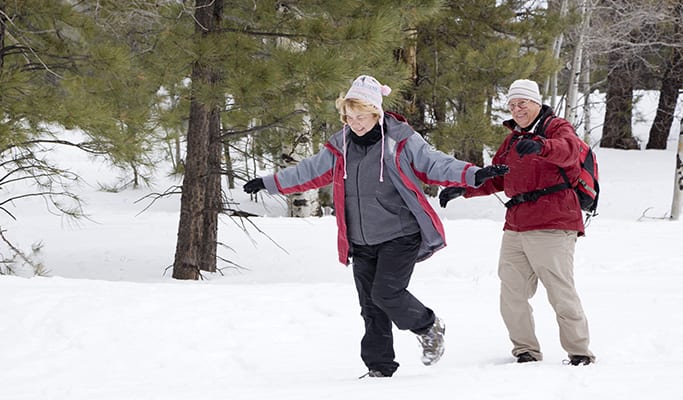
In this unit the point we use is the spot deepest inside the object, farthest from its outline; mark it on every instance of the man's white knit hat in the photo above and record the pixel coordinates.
(525, 89)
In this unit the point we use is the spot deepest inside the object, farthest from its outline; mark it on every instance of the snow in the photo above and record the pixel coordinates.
(110, 323)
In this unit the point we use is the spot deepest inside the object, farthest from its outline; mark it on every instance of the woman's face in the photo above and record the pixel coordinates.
(361, 122)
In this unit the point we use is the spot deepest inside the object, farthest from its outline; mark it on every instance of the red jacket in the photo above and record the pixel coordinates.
(559, 210)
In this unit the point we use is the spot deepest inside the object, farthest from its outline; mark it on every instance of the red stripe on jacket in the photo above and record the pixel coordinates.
(436, 221)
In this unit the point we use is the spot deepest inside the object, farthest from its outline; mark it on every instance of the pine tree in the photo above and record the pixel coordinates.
(53, 55)
(115, 93)
(466, 56)
(270, 72)
(200, 200)
(39, 50)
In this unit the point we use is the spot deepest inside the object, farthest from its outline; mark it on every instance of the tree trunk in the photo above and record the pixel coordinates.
(571, 111)
(2, 37)
(229, 170)
(213, 201)
(551, 85)
(302, 204)
(586, 89)
(678, 181)
(192, 200)
(197, 227)
(411, 106)
(668, 96)
(616, 132)
(672, 81)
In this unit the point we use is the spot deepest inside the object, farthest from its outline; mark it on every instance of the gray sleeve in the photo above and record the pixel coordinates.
(310, 173)
(437, 168)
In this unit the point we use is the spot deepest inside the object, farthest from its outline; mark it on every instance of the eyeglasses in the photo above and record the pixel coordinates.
(522, 104)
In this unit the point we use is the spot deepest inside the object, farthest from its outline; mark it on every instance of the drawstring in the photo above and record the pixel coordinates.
(381, 158)
(344, 149)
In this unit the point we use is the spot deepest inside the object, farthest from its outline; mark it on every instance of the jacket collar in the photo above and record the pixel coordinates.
(545, 113)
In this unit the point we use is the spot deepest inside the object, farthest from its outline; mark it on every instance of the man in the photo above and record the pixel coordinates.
(542, 223)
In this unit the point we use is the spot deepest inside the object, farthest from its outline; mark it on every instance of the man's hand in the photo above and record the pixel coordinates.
(449, 194)
(528, 146)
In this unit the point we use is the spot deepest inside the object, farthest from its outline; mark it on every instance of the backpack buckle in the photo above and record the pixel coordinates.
(529, 196)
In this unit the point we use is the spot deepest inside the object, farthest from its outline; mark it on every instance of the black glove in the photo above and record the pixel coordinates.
(489, 172)
(254, 185)
(528, 146)
(449, 194)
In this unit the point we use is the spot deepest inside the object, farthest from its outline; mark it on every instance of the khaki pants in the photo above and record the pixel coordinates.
(548, 255)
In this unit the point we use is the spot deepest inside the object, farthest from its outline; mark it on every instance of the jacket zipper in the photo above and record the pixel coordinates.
(360, 209)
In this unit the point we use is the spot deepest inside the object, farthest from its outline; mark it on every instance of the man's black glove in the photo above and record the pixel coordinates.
(489, 172)
(449, 194)
(254, 185)
(528, 146)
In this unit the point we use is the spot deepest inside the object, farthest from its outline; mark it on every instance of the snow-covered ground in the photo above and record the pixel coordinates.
(109, 323)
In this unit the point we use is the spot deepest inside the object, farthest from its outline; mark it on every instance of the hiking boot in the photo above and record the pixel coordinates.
(373, 373)
(432, 342)
(525, 357)
(579, 360)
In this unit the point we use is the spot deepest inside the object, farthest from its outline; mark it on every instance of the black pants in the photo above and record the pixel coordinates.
(382, 273)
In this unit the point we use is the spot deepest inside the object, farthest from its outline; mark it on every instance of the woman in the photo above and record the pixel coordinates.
(385, 223)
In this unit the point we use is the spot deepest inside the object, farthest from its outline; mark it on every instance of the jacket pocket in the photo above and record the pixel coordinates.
(392, 207)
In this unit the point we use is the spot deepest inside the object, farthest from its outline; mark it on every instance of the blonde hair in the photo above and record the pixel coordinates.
(343, 105)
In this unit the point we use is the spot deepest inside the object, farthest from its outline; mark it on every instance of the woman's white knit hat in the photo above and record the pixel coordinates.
(525, 89)
(368, 89)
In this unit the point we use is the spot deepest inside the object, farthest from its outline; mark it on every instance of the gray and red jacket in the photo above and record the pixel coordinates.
(408, 160)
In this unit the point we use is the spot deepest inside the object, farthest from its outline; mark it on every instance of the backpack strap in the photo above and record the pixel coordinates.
(535, 194)
(538, 131)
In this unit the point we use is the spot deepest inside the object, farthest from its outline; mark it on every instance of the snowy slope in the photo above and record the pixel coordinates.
(111, 324)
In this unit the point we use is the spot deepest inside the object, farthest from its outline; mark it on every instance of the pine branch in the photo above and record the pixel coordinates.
(276, 123)
(173, 190)
(38, 268)
(89, 147)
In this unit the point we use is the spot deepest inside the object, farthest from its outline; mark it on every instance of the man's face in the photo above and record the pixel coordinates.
(524, 111)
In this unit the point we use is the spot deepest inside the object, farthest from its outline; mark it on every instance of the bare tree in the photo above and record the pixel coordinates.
(616, 131)
(552, 82)
(632, 36)
(672, 83)
(571, 105)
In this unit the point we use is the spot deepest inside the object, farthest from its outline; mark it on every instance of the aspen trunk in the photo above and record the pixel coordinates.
(678, 181)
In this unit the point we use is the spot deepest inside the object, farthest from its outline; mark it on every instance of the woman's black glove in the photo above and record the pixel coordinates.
(449, 194)
(489, 172)
(528, 146)
(254, 185)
